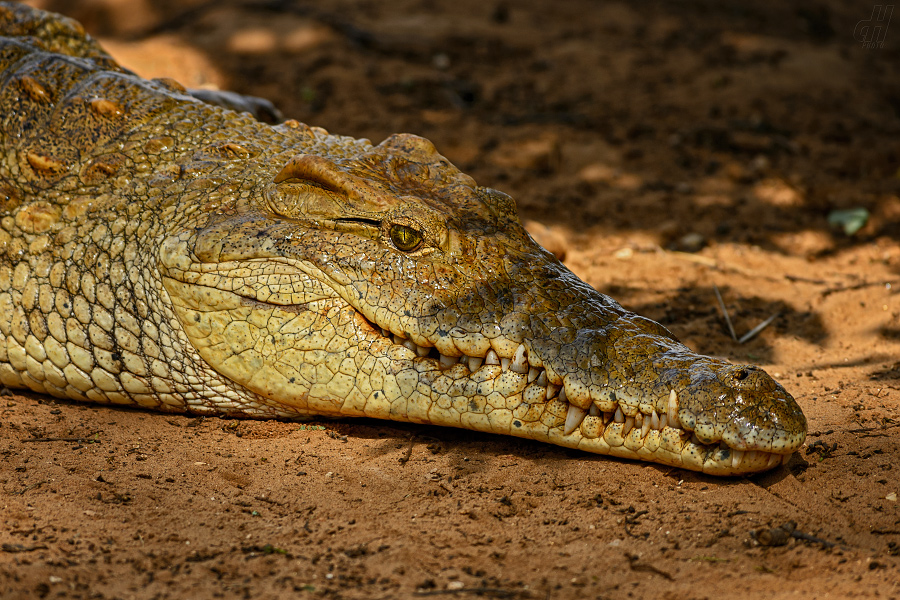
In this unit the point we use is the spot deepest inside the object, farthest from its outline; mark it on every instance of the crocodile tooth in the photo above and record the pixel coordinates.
(491, 358)
(409, 344)
(562, 394)
(646, 424)
(629, 424)
(619, 417)
(672, 410)
(773, 460)
(398, 340)
(737, 456)
(593, 410)
(542, 379)
(573, 418)
(475, 363)
(552, 389)
(422, 350)
(654, 420)
(504, 364)
(533, 374)
(663, 421)
(519, 364)
(385, 333)
(448, 361)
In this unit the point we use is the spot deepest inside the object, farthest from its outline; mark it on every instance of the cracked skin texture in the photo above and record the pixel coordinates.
(163, 252)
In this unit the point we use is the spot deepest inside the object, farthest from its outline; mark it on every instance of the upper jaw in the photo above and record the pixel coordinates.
(757, 415)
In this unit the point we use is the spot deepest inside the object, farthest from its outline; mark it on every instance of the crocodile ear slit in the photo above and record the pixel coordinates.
(289, 171)
(314, 169)
(324, 173)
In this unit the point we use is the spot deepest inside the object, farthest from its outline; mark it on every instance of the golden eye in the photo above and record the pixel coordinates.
(405, 238)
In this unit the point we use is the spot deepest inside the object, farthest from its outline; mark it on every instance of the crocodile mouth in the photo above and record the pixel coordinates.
(626, 428)
(258, 323)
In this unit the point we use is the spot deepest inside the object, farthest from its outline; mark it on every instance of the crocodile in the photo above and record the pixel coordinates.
(160, 251)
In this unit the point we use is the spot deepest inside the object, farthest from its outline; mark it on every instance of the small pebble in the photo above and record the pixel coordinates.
(692, 242)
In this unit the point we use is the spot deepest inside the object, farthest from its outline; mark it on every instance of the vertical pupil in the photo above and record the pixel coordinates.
(404, 237)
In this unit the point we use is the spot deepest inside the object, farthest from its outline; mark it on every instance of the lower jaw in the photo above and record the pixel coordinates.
(597, 432)
(667, 446)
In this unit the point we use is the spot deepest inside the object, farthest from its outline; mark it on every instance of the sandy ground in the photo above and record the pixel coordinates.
(667, 148)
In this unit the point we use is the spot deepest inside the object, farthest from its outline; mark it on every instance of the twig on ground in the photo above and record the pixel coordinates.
(798, 279)
(750, 334)
(887, 423)
(21, 548)
(30, 487)
(634, 565)
(779, 536)
(632, 519)
(408, 452)
(811, 538)
(487, 591)
(756, 330)
(82, 440)
(856, 286)
(725, 312)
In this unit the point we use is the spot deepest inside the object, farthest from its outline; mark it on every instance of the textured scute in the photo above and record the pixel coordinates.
(159, 251)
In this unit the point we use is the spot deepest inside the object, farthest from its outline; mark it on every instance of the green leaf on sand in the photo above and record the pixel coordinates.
(850, 220)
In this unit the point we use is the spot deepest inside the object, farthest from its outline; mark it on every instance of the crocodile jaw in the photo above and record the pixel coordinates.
(319, 355)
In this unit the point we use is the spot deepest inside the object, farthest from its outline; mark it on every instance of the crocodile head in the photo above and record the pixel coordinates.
(383, 282)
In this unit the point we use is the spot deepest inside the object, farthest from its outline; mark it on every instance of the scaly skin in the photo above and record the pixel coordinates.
(162, 252)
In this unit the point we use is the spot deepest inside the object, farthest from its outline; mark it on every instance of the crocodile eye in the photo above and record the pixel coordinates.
(405, 238)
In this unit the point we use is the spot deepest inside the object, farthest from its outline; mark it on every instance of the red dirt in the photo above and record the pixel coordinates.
(667, 149)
